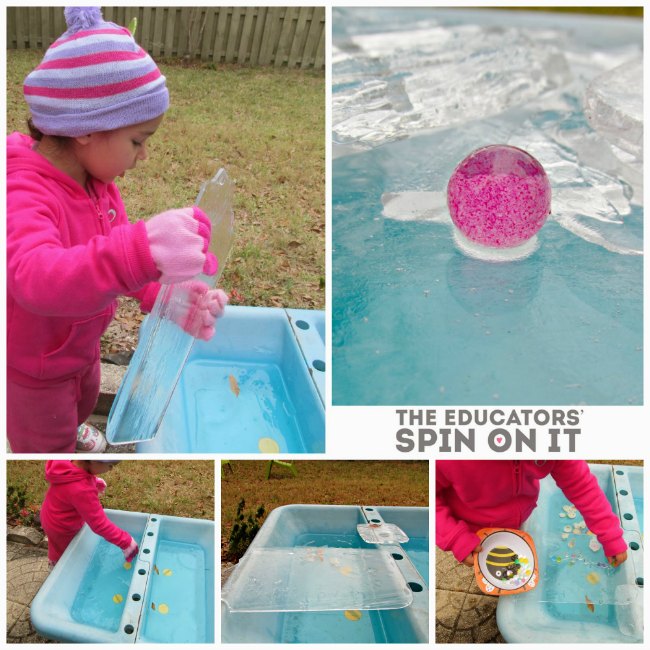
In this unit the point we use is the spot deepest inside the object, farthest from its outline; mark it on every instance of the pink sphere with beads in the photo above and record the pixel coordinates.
(499, 196)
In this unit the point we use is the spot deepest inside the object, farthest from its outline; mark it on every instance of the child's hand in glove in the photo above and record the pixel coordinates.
(101, 485)
(178, 240)
(131, 550)
(200, 308)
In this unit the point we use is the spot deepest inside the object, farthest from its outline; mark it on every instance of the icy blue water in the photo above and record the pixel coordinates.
(418, 552)
(417, 321)
(176, 610)
(228, 416)
(102, 594)
(176, 606)
(572, 575)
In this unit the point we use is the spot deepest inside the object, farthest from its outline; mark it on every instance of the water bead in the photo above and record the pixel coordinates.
(499, 196)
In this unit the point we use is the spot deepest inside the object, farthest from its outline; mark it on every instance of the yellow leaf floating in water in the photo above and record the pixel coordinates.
(590, 605)
(117, 598)
(167, 572)
(593, 578)
(163, 609)
(234, 386)
(352, 614)
(127, 565)
(345, 570)
(268, 446)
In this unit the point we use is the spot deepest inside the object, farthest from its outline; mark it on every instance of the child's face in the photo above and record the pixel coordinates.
(105, 155)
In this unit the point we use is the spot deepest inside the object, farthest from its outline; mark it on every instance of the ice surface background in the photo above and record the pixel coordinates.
(426, 73)
(414, 91)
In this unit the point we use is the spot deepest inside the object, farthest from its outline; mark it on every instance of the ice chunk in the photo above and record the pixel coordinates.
(388, 86)
(613, 104)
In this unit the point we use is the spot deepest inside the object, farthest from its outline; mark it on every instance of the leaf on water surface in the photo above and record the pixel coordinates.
(153, 606)
(590, 605)
(234, 386)
(155, 568)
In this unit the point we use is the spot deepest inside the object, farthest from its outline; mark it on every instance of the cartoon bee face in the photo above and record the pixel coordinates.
(502, 563)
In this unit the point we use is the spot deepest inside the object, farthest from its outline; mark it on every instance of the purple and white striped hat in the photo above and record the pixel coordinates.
(95, 77)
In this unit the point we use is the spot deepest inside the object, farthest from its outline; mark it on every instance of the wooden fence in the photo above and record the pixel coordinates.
(254, 36)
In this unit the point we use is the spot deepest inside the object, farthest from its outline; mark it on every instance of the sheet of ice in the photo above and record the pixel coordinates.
(316, 579)
(163, 346)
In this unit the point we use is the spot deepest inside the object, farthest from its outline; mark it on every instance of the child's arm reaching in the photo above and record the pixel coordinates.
(581, 487)
(90, 510)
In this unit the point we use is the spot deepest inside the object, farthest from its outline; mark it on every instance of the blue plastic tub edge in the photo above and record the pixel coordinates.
(50, 610)
(309, 329)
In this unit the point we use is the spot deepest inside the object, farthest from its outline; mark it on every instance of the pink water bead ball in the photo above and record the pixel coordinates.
(499, 196)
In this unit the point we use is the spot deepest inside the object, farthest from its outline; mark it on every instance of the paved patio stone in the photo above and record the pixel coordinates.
(463, 613)
(26, 571)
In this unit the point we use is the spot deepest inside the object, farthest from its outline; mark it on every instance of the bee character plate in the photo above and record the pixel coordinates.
(507, 563)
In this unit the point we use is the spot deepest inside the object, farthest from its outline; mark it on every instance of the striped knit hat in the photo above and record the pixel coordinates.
(95, 77)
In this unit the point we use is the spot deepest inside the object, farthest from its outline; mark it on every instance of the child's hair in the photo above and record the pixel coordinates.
(95, 77)
(38, 135)
(86, 464)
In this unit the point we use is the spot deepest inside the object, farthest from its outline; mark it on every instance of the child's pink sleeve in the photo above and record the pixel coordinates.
(90, 510)
(146, 296)
(49, 279)
(451, 534)
(581, 487)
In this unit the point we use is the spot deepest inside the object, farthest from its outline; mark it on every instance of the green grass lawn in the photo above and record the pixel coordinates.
(267, 128)
(182, 488)
(355, 482)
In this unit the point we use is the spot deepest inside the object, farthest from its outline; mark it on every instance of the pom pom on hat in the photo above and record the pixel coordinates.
(78, 18)
(95, 77)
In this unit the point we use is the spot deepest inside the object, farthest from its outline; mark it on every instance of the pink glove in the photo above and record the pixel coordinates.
(101, 484)
(178, 240)
(131, 550)
(201, 309)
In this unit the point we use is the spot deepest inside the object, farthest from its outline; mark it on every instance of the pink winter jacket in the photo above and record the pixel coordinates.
(72, 500)
(69, 255)
(503, 493)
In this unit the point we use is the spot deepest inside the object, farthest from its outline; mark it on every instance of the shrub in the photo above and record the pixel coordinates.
(244, 529)
(19, 512)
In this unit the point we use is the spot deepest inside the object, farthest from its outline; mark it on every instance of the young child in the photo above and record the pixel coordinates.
(73, 500)
(475, 494)
(94, 100)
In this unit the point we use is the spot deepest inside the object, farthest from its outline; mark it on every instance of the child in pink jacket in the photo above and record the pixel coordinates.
(72, 500)
(94, 100)
(475, 494)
